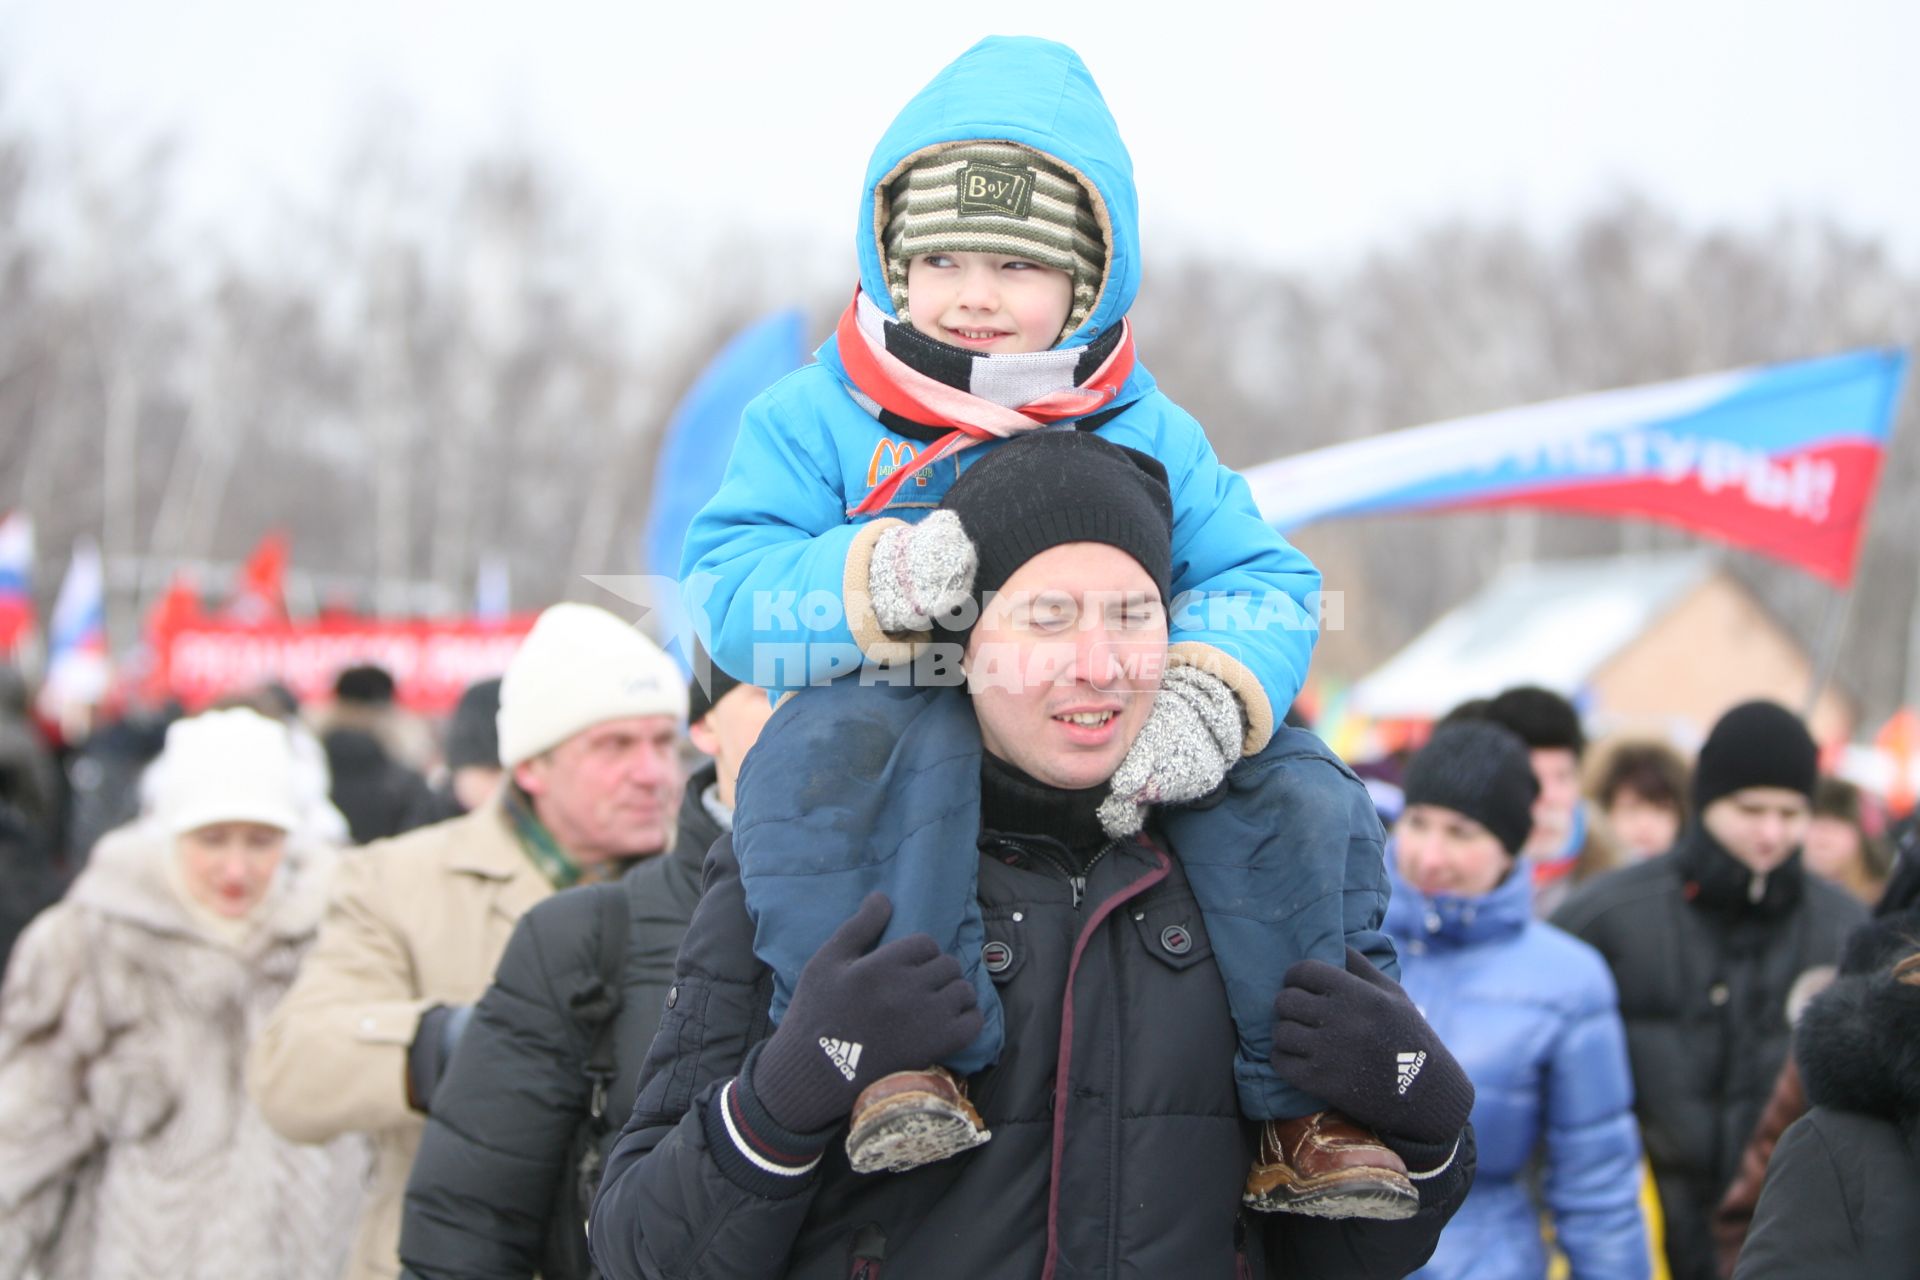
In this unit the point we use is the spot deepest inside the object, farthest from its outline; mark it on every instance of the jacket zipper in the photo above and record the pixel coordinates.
(1079, 882)
(1063, 1066)
(1076, 880)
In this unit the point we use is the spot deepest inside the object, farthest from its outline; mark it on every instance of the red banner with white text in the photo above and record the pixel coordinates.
(432, 659)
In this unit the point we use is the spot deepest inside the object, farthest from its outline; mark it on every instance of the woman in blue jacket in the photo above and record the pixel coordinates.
(1531, 1014)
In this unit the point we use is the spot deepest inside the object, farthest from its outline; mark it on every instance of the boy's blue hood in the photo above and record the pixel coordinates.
(1037, 93)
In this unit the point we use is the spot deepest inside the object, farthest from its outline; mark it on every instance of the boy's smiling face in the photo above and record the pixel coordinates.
(988, 301)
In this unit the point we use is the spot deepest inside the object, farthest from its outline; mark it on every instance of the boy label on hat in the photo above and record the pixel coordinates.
(995, 190)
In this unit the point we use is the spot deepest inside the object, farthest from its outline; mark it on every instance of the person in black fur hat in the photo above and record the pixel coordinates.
(1709, 945)
(1843, 1182)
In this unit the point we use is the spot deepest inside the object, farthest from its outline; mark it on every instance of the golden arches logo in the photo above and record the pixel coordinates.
(888, 457)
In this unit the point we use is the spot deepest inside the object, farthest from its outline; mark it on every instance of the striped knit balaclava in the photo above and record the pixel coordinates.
(995, 197)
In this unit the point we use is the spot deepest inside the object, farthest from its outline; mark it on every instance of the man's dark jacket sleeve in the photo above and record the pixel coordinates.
(676, 1212)
(481, 1194)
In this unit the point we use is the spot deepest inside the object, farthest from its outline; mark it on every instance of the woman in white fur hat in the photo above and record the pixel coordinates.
(128, 1146)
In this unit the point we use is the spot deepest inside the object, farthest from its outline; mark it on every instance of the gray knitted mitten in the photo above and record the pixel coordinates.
(920, 571)
(1184, 750)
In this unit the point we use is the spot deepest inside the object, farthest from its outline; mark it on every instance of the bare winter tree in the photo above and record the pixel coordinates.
(434, 370)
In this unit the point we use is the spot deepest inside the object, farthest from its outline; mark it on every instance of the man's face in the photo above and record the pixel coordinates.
(1761, 826)
(729, 730)
(608, 792)
(1558, 771)
(1065, 661)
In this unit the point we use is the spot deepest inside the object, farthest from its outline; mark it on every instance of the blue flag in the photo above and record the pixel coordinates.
(699, 436)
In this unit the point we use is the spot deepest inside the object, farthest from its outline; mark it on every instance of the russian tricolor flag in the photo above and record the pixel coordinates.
(1780, 459)
(16, 582)
(77, 638)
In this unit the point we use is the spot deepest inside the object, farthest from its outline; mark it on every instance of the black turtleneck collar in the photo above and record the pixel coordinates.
(1015, 803)
(1715, 880)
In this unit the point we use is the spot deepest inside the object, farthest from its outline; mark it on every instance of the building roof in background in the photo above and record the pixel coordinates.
(1551, 623)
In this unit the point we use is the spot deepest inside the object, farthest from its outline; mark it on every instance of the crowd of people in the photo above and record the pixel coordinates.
(238, 1039)
(1036, 941)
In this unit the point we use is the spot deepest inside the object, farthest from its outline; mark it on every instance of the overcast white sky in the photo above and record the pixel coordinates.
(1292, 131)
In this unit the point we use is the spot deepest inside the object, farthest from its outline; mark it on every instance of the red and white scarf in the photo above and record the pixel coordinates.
(1003, 395)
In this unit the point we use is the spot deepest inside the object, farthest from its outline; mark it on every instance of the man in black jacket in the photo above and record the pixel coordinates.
(527, 1110)
(1707, 944)
(1117, 1142)
(375, 792)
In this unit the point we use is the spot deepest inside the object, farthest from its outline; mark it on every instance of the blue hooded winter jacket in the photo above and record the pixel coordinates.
(1531, 1013)
(766, 557)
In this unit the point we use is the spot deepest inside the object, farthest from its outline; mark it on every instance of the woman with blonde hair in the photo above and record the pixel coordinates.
(128, 1146)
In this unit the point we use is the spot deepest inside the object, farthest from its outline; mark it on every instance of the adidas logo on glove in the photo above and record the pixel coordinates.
(845, 1056)
(1410, 1064)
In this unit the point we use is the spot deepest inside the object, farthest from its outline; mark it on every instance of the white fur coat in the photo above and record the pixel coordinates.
(128, 1146)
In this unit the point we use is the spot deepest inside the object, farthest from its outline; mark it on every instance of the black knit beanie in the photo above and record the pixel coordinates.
(1480, 769)
(1543, 719)
(472, 735)
(707, 685)
(1757, 744)
(1054, 487)
(367, 684)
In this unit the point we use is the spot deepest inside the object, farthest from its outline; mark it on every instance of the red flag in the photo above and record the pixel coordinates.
(177, 609)
(261, 596)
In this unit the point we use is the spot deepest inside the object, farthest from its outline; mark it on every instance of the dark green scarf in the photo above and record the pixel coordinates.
(560, 870)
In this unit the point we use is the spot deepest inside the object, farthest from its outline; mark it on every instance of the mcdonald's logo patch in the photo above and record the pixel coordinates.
(888, 457)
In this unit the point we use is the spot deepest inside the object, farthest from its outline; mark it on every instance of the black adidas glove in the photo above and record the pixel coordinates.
(1353, 1038)
(857, 1016)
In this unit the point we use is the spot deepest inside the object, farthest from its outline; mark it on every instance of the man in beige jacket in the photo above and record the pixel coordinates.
(590, 718)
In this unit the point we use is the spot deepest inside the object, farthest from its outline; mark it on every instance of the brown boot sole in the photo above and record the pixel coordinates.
(912, 1129)
(1376, 1194)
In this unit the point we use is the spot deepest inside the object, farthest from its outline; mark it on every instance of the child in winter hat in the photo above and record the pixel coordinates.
(998, 243)
(999, 254)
